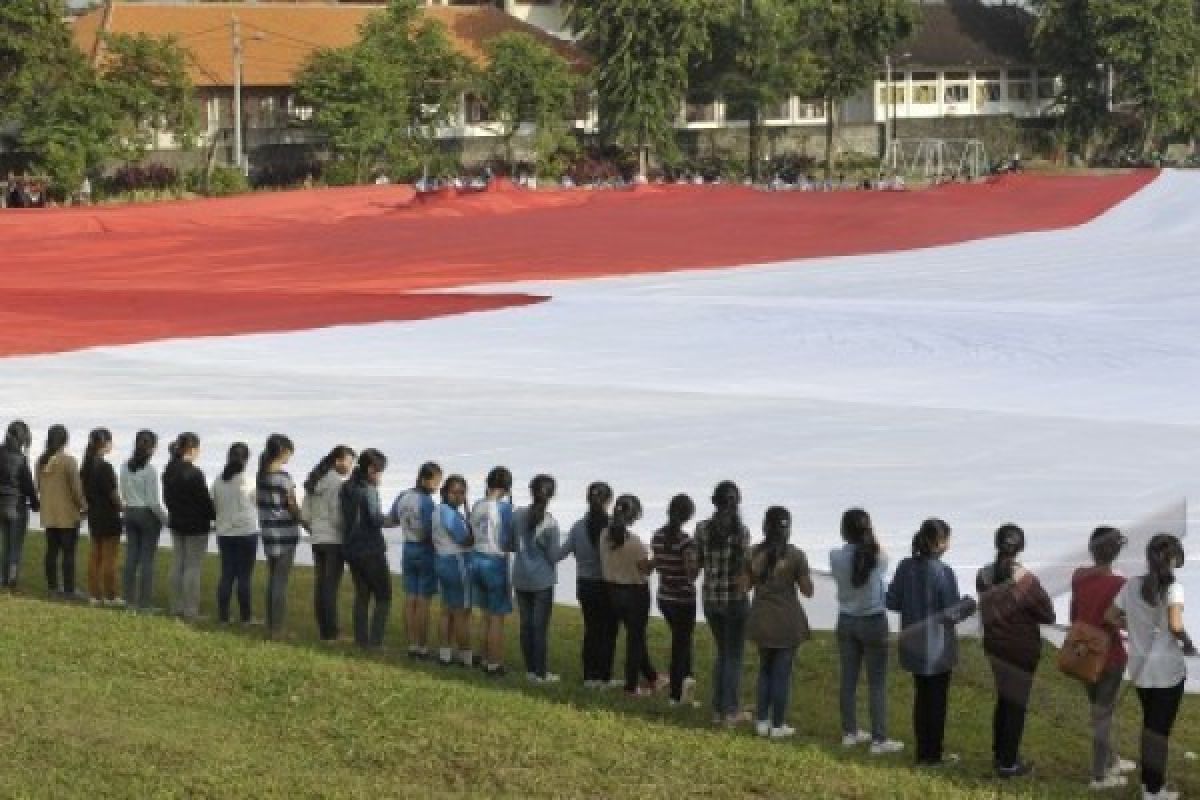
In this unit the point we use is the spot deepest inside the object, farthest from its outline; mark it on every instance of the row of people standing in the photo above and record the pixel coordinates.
(464, 554)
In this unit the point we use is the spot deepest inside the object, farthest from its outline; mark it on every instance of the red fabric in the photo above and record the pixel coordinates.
(296, 260)
(1092, 594)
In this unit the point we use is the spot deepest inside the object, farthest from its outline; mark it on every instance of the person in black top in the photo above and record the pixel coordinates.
(18, 494)
(104, 518)
(365, 548)
(190, 514)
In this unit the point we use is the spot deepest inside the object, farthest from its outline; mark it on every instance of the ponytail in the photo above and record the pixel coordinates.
(182, 444)
(726, 525)
(541, 488)
(1010, 542)
(931, 534)
(277, 445)
(235, 464)
(98, 439)
(56, 442)
(858, 531)
(777, 530)
(325, 465)
(143, 449)
(626, 511)
(1164, 555)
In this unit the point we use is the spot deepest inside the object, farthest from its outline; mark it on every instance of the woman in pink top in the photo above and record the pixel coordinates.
(1093, 590)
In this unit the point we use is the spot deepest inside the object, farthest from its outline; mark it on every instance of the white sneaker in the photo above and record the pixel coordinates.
(1161, 794)
(687, 690)
(591, 684)
(551, 678)
(855, 739)
(762, 727)
(782, 732)
(615, 683)
(1124, 766)
(1111, 781)
(886, 747)
(533, 677)
(93, 601)
(117, 602)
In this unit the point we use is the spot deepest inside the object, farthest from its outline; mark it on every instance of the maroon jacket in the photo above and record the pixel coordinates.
(1013, 612)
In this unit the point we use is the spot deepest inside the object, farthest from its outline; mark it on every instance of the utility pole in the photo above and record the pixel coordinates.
(235, 29)
(889, 108)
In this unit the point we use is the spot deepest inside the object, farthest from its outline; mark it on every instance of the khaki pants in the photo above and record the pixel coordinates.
(102, 567)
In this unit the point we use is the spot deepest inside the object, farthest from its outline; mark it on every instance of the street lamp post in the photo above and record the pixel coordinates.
(236, 33)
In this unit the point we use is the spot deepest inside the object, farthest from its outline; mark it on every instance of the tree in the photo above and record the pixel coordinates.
(759, 59)
(642, 50)
(148, 85)
(526, 81)
(1066, 43)
(383, 99)
(850, 40)
(1152, 47)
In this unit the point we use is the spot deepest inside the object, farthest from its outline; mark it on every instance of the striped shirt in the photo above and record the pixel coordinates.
(672, 556)
(280, 529)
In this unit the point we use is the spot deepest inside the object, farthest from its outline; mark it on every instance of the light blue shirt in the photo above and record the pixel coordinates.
(450, 531)
(535, 567)
(857, 601)
(413, 512)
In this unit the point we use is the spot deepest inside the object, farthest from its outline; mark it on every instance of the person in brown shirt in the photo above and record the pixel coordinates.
(1014, 606)
(777, 622)
(63, 505)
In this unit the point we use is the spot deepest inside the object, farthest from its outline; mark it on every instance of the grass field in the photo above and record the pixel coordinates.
(105, 704)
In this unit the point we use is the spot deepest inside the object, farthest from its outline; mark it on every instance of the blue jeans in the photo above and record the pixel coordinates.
(142, 531)
(728, 626)
(238, 554)
(535, 608)
(774, 683)
(12, 544)
(863, 639)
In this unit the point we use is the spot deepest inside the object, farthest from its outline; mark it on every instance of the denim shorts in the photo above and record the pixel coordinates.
(454, 581)
(490, 584)
(417, 565)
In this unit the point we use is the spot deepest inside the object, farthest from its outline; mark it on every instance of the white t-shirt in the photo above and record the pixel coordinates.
(1156, 660)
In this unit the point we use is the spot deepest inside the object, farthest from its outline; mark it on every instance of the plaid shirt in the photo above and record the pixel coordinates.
(721, 567)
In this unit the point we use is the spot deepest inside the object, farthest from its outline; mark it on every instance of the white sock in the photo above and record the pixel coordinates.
(446, 653)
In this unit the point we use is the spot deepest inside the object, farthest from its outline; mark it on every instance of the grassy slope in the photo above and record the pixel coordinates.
(102, 704)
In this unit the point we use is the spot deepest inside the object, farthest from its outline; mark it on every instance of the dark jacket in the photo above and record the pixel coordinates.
(363, 519)
(1013, 612)
(17, 489)
(190, 510)
(103, 499)
(925, 592)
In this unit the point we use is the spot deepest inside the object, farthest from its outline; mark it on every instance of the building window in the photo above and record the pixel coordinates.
(988, 88)
(700, 109)
(957, 93)
(1047, 88)
(475, 112)
(924, 88)
(810, 109)
(898, 95)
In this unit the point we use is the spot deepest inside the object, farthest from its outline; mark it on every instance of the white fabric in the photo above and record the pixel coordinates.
(236, 503)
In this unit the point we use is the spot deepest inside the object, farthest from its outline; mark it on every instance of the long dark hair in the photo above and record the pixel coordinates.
(599, 495)
(182, 444)
(367, 460)
(56, 442)
(325, 465)
(277, 445)
(541, 489)
(144, 444)
(451, 481)
(18, 437)
(626, 511)
(98, 439)
(1164, 555)
(1105, 545)
(680, 511)
(236, 461)
(726, 524)
(1010, 542)
(932, 532)
(777, 531)
(858, 531)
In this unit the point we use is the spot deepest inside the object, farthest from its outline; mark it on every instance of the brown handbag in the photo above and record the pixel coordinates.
(1084, 653)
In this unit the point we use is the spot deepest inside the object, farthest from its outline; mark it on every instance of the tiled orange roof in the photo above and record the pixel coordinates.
(278, 38)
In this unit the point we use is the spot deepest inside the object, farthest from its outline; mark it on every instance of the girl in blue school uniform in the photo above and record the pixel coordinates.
(452, 542)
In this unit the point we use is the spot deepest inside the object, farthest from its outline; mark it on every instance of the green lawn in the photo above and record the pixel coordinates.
(105, 704)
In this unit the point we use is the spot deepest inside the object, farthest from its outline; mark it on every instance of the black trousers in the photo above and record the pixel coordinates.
(599, 629)
(1014, 684)
(681, 619)
(631, 608)
(61, 543)
(329, 565)
(929, 715)
(372, 582)
(1159, 709)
